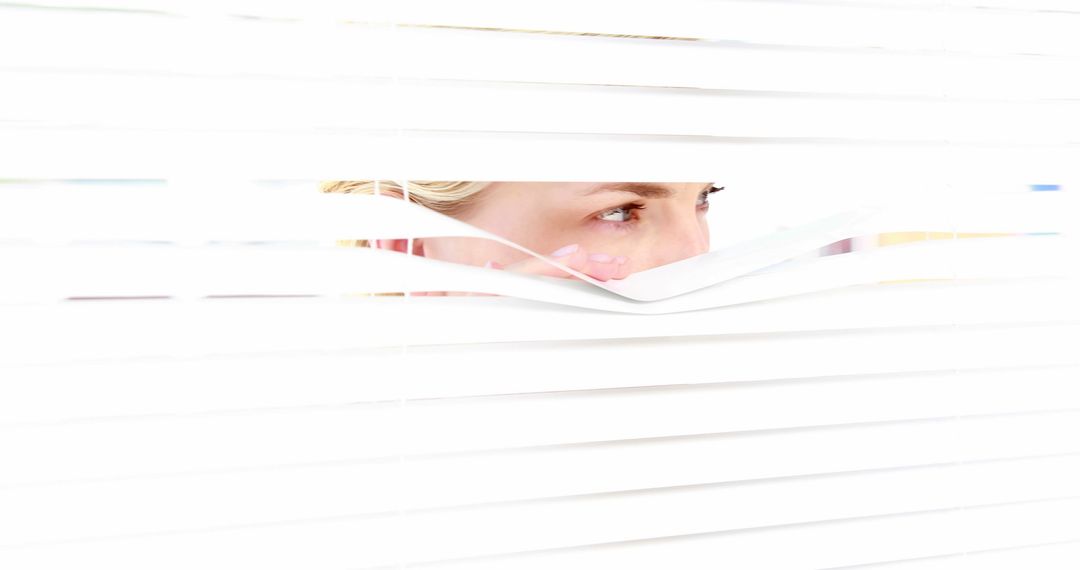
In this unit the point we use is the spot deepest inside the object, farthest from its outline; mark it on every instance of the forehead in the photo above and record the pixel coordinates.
(645, 189)
(569, 194)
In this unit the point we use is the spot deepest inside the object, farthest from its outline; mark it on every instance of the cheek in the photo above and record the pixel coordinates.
(546, 236)
(616, 244)
(469, 251)
(534, 232)
(659, 248)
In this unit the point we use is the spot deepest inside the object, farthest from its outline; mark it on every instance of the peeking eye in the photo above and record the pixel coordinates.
(619, 214)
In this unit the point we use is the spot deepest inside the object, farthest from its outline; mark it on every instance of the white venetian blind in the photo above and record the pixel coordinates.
(187, 378)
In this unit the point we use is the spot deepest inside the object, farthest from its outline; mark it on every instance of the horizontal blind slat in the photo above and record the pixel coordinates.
(1056, 556)
(34, 333)
(962, 28)
(33, 400)
(102, 447)
(512, 528)
(505, 475)
(806, 548)
(92, 152)
(68, 510)
(299, 52)
(178, 386)
(181, 104)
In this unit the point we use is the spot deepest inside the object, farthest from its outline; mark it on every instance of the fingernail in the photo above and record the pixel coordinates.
(564, 251)
(600, 258)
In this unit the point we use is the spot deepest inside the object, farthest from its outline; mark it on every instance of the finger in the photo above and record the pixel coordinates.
(598, 266)
(605, 267)
(572, 256)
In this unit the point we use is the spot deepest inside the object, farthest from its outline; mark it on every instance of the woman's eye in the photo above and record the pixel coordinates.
(619, 214)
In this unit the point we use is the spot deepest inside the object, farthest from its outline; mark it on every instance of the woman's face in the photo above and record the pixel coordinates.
(651, 224)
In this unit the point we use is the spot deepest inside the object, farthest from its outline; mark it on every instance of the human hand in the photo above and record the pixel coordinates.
(599, 266)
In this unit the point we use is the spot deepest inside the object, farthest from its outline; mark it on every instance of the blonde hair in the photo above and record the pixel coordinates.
(450, 198)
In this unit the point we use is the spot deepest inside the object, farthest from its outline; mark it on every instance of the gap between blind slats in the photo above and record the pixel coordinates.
(239, 271)
(328, 56)
(216, 211)
(101, 272)
(959, 28)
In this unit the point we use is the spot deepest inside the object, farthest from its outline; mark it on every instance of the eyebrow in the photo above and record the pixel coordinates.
(643, 189)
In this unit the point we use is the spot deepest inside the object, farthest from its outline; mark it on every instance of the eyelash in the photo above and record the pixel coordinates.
(632, 206)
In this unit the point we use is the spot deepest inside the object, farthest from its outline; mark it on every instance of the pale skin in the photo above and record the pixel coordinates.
(606, 230)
